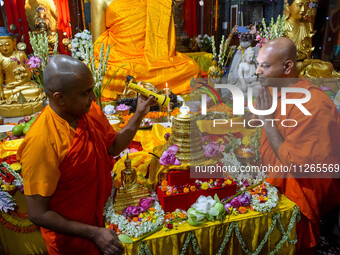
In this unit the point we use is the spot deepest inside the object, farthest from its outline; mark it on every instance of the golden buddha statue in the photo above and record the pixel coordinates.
(42, 18)
(300, 31)
(19, 95)
(214, 73)
(130, 191)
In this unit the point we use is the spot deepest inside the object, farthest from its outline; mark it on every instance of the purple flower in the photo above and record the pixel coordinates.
(245, 183)
(168, 157)
(235, 202)
(34, 62)
(132, 211)
(167, 136)
(227, 207)
(146, 203)
(211, 150)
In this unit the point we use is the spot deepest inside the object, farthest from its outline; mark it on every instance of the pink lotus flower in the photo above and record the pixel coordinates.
(34, 62)
(169, 158)
(146, 203)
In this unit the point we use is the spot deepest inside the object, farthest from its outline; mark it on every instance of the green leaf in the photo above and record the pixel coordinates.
(125, 239)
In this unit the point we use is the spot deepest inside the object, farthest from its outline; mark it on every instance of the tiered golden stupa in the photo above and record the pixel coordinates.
(131, 191)
(186, 135)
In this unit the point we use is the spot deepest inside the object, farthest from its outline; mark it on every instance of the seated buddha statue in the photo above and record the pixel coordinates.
(142, 48)
(15, 77)
(300, 31)
(130, 192)
(129, 176)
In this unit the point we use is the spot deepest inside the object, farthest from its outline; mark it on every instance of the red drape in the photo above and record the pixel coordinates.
(15, 12)
(190, 17)
(64, 23)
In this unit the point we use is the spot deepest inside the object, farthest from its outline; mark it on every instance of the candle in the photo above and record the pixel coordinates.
(167, 94)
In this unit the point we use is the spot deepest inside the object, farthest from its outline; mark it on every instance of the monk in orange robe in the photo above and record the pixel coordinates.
(314, 140)
(143, 40)
(66, 162)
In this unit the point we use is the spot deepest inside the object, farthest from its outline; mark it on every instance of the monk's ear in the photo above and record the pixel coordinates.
(59, 98)
(288, 67)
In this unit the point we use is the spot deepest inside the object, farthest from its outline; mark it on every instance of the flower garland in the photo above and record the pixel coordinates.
(133, 229)
(265, 204)
(17, 222)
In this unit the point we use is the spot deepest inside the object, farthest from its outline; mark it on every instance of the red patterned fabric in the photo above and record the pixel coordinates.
(15, 12)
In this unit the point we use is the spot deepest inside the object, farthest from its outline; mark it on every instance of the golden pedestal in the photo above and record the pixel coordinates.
(129, 197)
(17, 110)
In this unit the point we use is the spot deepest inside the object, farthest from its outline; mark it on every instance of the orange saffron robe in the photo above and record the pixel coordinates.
(71, 166)
(143, 40)
(315, 140)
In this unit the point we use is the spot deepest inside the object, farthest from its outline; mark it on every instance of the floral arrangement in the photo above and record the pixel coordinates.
(222, 57)
(206, 209)
(85, 51)
(11, 180)
(204, 42)
(239, 204)
(81, 38)
(38, 61)
(132, 225)
(264, 197)
(266, 33)
(169, 157)
(122, 107)
(197, 185)
(6, 201)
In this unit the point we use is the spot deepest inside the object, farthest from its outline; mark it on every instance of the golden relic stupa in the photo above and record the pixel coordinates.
(187, 136)
(131, 191)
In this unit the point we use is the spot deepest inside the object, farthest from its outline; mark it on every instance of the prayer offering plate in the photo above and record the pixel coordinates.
(6, 128)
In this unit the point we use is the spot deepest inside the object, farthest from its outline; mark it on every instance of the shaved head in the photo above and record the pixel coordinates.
(63, 73)
(283, 48)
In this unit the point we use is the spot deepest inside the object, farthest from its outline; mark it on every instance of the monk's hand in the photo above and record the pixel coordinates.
(107, 241)
(263, 101)
(144, 104)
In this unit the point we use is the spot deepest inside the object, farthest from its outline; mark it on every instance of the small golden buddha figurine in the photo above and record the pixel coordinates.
(129, 176)
(15, 78)
(131, 191)
(214, 72)
(300, 31)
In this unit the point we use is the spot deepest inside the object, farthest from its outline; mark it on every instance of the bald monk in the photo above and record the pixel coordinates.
(66, 164)
(315, 139)
(142, 34)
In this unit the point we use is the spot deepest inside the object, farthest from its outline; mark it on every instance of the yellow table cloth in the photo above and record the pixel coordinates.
(203, 59)
(247, 230)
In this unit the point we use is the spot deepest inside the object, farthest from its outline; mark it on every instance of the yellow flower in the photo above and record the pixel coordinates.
(16, 166)
(246, 141)
(228, 182)
(8, 187)
(205, 186)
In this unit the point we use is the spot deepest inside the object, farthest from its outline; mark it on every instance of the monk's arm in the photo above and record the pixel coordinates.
(125, 136)
(40, 214)
(263, 101)
(98, 10)
(274, 136)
